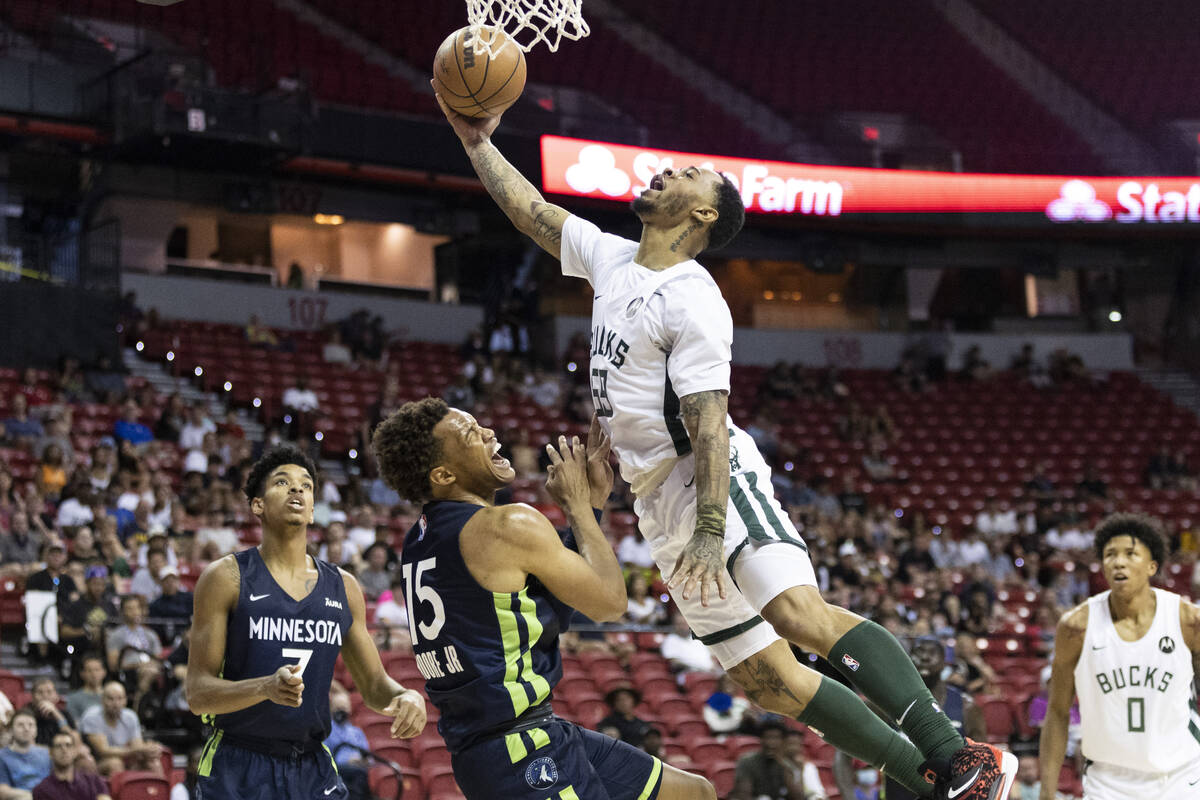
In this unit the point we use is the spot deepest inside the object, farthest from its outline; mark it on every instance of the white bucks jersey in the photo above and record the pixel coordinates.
(656, 336)
(1136, 699)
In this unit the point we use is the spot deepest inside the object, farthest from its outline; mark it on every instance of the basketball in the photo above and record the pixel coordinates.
(473, 83)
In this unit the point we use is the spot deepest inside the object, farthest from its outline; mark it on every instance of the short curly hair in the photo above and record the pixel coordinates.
(272, 459)
(731, 214)
(1142, 527)
(406, 449)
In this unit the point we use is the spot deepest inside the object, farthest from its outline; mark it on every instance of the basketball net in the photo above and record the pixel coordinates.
(527, 22)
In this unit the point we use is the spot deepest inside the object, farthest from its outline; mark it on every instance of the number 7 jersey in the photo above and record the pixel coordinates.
(490, 659)
(1137, 703)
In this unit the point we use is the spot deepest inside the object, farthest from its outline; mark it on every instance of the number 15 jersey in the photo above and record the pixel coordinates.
(489, 659)
(656, 336)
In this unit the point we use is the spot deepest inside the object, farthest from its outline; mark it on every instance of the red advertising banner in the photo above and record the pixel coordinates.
(621, 172)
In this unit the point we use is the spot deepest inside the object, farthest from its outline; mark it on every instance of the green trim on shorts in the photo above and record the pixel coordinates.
(725, 634)
(331, 759)
(206, 757)
(538, 737)
(737, 551)
(769, 512)
(568, 794)
(516, 747)
(652, 781)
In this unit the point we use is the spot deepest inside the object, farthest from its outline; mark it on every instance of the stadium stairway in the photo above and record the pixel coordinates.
(1180, 386)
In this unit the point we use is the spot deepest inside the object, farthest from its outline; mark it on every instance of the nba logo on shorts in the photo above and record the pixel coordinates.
(541, 773)
(851, 662)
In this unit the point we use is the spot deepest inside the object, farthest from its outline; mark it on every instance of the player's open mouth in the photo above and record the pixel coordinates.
(656, 183)
(499, 460)
(299, 504)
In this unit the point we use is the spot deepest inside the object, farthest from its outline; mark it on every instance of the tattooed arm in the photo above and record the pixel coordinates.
(703, 558)
(516, 196)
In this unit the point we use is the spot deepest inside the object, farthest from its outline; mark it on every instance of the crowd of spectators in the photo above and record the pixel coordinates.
(118, 523)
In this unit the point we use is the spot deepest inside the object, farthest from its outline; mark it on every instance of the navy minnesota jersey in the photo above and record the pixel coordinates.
(489, 658)
(268, 629)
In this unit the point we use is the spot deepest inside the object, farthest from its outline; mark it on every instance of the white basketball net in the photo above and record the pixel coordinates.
(528, 22)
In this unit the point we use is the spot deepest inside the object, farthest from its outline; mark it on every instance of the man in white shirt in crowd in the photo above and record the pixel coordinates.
(191, 435)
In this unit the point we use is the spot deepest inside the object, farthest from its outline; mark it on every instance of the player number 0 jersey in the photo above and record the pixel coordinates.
(656, 336)
(1136, 699)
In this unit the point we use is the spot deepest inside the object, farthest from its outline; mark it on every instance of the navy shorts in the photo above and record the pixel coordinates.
(557, 761)
(229, 772)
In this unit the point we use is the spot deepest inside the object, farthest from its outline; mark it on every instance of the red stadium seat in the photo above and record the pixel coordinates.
(130, 785)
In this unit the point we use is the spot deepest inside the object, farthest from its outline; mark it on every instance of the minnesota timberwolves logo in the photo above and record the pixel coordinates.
(633, 307)
(541, 773)
(1166, 644)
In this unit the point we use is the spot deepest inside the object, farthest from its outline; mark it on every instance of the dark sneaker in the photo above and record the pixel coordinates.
(977, 772)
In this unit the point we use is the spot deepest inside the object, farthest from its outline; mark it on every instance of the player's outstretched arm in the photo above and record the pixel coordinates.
(207, 692)
(516, 196)
(1068, 644)
(379, 690)
(703, 558)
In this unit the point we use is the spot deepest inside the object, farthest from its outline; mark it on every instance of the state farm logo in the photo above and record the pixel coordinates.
(597, 170)
(1136, 202)
(1077, 202)
(764, 186)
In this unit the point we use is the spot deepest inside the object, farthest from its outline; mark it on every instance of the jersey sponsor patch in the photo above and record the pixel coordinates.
(851, 662)
(1166, 644)
(542, 773)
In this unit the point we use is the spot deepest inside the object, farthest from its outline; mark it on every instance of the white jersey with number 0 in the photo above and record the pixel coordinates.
(1136, 699)
(656, 336)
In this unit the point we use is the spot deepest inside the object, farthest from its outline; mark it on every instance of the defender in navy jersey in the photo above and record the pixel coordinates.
(488, 590)
(269, 623)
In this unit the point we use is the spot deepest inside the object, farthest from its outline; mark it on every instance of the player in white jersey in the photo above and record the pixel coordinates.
(660, 363)
(1131, 655)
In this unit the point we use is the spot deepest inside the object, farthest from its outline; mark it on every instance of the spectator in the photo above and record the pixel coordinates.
(1039, 486)
(335, 351)
(172, 420)
(793, 747)
(105, 380)
(623, 700)
(51, 473)
(129, 427)
(59, 433)
(45, 706)
(65, 782)
(375, 576)
(20, 428)
(851, 499)
(87, 696)
(642, 607)
(683, 652)
(115, 735)
(975, 367)
(1181, 473)
(338, 548)
(1091, 486)
(21, 546)
(459, 393)
(172, 611)
(259, 335)
(54, 577)
(875, 463)
(300, 406)
(147, 580)
(768, 772)
(197, 426)
(1158, 470)
(652, 743)
(24, 763)
(1028, 783)
(134, 651)
(1038, 705)
(727, 711)
(346, 741)
(186, 790)
(994, 520)
(634, 551)
(392, 616)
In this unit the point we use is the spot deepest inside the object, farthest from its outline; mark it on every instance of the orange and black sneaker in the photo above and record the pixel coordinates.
(975, 772)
